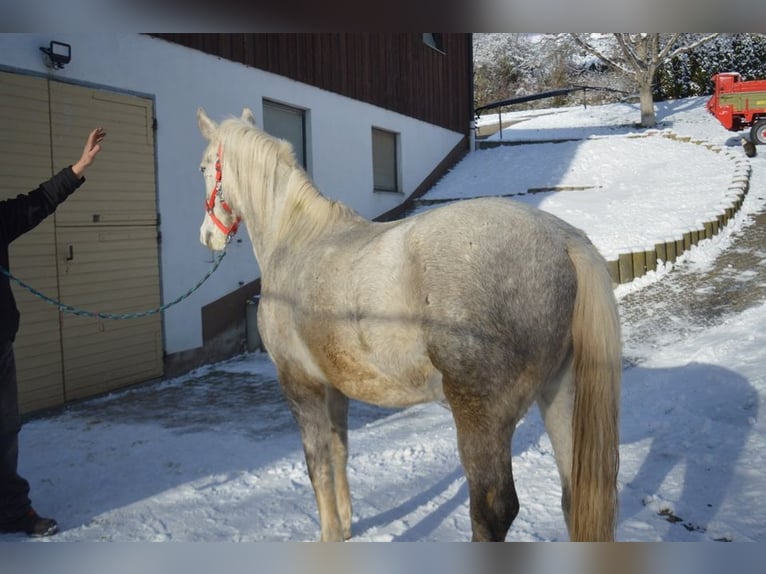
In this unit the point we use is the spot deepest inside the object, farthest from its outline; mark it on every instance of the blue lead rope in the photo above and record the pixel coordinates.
(82, 313)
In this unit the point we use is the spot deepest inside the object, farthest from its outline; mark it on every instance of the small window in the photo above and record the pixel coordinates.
(287, 123)
(384, 160)
(435, 40)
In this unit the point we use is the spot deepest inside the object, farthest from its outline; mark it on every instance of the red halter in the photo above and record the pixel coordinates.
(228, 230)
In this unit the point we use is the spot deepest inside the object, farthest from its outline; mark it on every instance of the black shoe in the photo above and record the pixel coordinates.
(32, 524)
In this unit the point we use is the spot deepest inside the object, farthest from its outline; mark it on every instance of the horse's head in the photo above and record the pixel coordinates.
(221, 220)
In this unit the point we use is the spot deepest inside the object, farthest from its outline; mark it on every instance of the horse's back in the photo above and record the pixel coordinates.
(506, 219)
(494, 244)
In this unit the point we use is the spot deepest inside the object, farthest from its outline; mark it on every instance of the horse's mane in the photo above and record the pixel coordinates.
(273, 182)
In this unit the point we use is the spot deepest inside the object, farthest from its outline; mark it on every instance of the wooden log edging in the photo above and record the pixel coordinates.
(630, 263)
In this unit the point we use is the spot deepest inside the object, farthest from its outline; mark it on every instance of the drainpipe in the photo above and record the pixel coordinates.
(471, 113)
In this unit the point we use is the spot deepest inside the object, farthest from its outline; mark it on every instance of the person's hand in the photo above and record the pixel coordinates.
(89, 152)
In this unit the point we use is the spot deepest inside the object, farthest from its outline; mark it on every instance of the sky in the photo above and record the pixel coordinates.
(215, 456)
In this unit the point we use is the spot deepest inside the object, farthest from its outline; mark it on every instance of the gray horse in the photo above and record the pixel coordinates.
(486, 304)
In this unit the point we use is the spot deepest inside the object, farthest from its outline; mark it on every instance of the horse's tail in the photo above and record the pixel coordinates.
(595, 424)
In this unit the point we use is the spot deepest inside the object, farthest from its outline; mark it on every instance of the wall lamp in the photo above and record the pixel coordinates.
(56, 55)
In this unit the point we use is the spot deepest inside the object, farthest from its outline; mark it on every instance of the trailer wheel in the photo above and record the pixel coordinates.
(758, 132)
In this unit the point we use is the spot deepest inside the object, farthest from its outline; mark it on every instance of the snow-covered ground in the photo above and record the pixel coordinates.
(215, 456)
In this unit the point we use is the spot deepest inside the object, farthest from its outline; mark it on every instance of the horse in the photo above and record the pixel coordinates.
(486, 304)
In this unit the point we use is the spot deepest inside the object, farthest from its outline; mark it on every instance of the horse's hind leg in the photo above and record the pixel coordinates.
(484, 442)
(556, 403)
(321, 416)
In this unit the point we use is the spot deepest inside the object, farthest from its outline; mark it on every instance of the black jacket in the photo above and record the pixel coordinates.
(17, 216)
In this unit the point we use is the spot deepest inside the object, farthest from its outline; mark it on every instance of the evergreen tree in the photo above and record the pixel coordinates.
(690, 74)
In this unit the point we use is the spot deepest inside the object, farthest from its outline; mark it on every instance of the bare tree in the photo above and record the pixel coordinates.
(639, 56)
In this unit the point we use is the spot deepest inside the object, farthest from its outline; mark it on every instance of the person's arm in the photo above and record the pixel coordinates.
(25, 212)
(89, 152)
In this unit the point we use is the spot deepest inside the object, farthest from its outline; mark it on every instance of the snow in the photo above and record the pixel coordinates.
(215, 456)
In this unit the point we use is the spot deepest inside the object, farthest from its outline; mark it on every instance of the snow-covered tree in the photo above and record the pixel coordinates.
(507, 65)
(640, 56)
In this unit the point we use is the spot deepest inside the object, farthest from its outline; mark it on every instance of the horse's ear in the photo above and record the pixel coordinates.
(248, 116)
(206, 125)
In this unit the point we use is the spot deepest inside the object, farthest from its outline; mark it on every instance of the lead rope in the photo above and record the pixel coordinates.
(82, 313)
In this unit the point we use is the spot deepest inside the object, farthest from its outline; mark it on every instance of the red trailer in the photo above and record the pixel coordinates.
(740, 104)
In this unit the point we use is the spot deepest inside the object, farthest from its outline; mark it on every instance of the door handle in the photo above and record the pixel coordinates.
(70, 253)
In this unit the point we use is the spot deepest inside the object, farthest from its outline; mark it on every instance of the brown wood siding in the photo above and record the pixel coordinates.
(398, 72)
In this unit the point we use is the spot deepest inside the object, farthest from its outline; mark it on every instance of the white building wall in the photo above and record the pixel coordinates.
(180, 80)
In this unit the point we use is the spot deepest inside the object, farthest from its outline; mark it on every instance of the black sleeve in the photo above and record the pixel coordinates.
(25, 212)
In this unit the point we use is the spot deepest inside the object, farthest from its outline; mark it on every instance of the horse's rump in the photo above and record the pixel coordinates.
(496, 285)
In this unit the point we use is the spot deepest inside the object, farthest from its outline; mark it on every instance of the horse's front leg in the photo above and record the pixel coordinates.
(310, 403)
(337, 408)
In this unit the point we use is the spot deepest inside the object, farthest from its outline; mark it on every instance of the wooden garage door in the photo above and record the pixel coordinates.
(120, 188)
(98, 252)
(25, 161)
(114, 270)
(106, 236)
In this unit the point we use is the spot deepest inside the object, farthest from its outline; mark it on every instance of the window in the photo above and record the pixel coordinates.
(435, 40)
(385, 167)
(288, 123)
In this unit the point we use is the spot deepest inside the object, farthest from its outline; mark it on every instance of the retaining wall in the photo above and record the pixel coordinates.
(632, 262)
